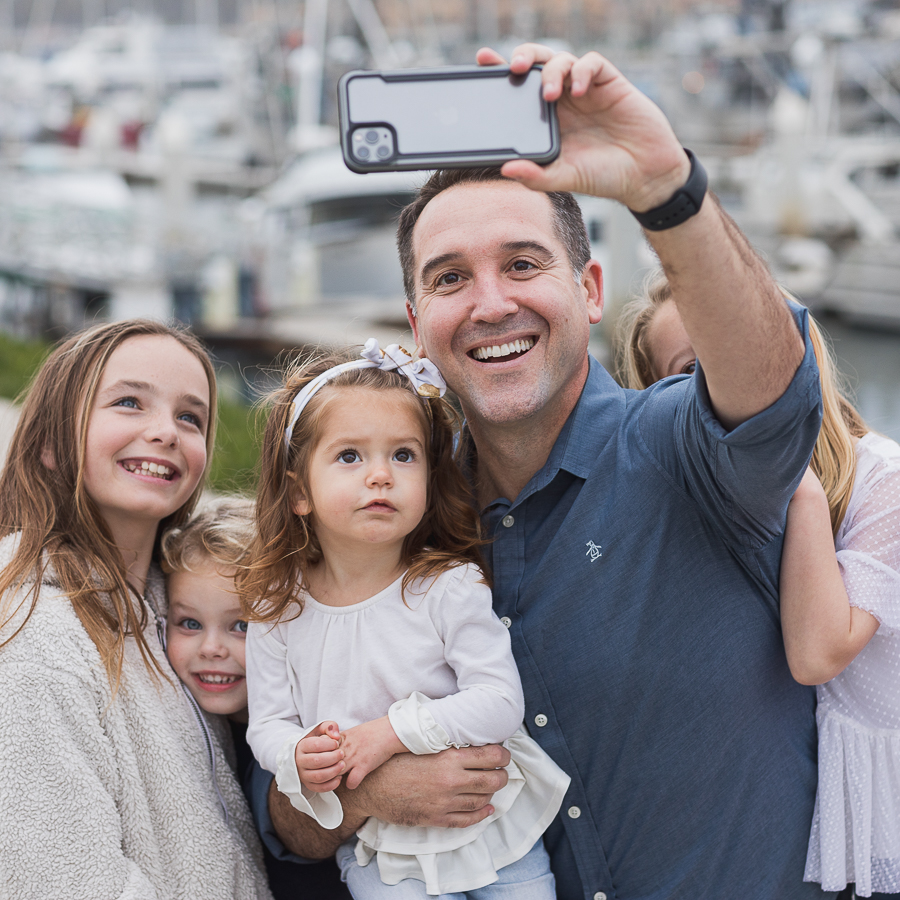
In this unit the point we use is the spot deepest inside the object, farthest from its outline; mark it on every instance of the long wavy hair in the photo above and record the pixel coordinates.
(272, 580)
(834, 456)
(58, 525)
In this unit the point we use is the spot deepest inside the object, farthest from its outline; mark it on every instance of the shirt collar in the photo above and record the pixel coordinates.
(589, 427)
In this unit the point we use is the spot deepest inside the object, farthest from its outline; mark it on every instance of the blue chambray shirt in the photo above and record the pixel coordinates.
(638, 574)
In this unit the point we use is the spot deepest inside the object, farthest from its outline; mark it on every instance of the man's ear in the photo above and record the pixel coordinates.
(300, 506)
(48, 459)
(414, 324)
(592, 285)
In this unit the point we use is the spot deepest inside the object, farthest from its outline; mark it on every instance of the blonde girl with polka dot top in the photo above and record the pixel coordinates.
(840, 608)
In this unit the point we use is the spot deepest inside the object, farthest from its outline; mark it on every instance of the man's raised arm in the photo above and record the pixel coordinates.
(616, 143)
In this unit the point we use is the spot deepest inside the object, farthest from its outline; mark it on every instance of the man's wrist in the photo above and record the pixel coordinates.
(682, 205)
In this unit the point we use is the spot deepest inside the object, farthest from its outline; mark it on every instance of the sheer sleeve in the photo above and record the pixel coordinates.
(869, 546)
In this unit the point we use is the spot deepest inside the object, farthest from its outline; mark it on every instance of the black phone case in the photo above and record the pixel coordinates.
(400, 161)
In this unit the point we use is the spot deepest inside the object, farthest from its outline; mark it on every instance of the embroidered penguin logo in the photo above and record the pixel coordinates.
(594, 551)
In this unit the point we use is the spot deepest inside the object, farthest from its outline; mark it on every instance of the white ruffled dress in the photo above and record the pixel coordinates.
(855, 833)
(441, 666)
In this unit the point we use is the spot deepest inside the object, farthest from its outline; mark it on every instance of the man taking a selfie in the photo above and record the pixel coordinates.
(636, 537)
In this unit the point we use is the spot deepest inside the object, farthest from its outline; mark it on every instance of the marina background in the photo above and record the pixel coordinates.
(178, 158)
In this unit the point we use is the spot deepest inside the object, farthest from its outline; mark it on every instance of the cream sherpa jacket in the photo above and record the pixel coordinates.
(103, 800)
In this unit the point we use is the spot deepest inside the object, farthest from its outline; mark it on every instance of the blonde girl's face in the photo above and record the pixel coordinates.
(368, 474)
(668, 344)
(206, 639)
(145, 448)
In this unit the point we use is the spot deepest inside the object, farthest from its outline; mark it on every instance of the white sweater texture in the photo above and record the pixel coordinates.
(111, 799)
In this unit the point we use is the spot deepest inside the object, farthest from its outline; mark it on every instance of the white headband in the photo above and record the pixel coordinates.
(423, 374)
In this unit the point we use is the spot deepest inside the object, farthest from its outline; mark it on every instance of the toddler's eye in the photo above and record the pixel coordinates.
(404, 455)
(240, 626)
(191, 624)
(689, 368)
(348, 456)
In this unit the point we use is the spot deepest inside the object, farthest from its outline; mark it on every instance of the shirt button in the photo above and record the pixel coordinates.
(507, 621)
(540, 720)
(574, 812)
(508, 521)
(599, 896)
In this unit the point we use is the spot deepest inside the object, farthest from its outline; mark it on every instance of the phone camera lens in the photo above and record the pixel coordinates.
(372, 136)
(362, 152)
(383, 152)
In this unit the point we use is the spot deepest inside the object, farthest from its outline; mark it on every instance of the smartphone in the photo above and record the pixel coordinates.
(446, 118)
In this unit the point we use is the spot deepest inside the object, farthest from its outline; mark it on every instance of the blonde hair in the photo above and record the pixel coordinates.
(57, 523)
(834, 456)
(285, 545)
(221, 534)
(634, 364)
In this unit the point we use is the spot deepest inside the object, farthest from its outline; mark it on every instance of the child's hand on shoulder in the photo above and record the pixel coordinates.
(320, 759)
(367, 746)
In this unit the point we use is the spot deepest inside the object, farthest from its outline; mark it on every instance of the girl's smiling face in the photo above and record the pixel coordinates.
(206, 639)
(145, 445)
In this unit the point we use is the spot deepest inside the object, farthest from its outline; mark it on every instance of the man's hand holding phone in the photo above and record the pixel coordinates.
(615, 141)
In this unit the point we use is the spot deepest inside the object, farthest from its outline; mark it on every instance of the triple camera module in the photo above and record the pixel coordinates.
(373, 143)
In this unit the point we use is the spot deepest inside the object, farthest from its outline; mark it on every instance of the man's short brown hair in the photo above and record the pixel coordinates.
(567, 220)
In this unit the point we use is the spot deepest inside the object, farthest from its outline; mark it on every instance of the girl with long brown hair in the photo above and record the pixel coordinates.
(840, 606)
(112, 784)
(371, 627)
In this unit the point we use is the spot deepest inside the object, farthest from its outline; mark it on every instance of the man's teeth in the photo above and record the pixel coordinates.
(219, 679)
(503, 349)
(150, 468)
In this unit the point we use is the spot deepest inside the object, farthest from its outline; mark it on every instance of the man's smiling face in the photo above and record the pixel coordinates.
(498, 308)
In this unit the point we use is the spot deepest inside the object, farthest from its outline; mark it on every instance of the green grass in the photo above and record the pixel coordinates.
(234, 461)
(237, 448)
(19, 360)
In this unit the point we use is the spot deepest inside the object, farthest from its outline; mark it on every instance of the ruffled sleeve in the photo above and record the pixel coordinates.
(868, 546)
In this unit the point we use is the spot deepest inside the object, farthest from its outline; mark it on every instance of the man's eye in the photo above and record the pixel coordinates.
(191, 624)
(448, 279)
(404, 455)
(240, 626)
(522, 265)
(348, 456)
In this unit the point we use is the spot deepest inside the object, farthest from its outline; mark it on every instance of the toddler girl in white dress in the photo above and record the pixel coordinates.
(372, 631)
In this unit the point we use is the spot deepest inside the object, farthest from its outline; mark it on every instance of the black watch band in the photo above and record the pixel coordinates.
(683, 204)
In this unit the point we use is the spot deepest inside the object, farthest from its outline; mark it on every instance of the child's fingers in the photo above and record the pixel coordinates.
(328, 786)
(357, 773)
(317, 745)
(326, 727)
(312, 761)
(321, 780)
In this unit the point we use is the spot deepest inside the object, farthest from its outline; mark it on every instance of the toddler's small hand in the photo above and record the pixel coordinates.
(367, 746)
(320, 759)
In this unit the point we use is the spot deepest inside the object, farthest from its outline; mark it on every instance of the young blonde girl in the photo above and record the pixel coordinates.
(205, 643)
(372, 631)
(111, 783)
(840, 607)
